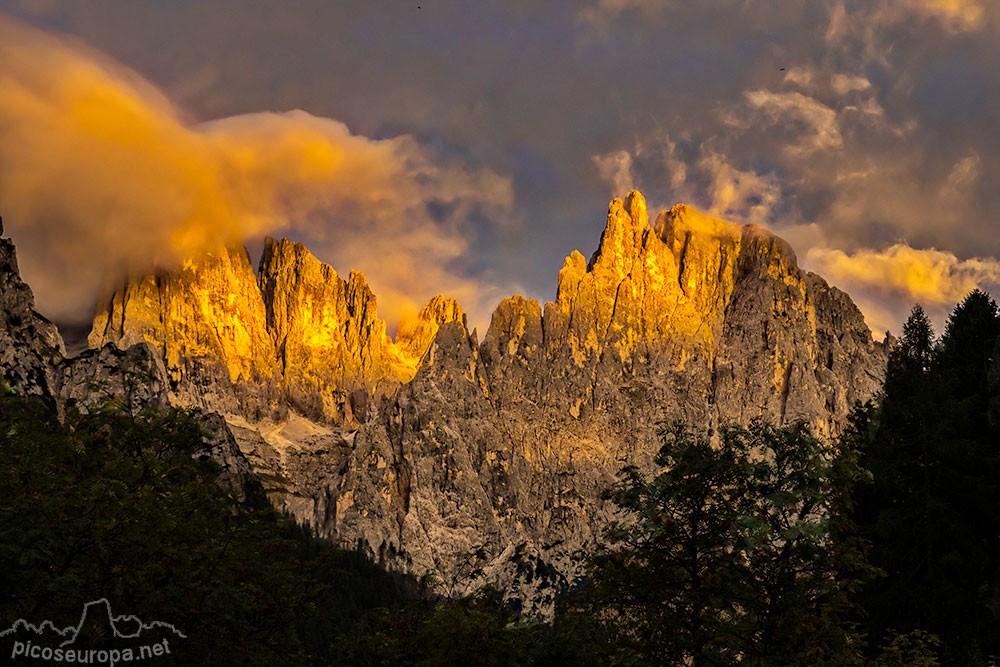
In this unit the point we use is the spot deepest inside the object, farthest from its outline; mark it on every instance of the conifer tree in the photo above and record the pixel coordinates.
(896, 514)
(931, 514)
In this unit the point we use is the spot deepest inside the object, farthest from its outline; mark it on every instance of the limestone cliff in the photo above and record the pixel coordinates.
(508, 444)
(332, 345)
(296, 336)
(334, 352)
(207, 320)
(414, 337)
(33, 362)
(30, 345)
(430, 447)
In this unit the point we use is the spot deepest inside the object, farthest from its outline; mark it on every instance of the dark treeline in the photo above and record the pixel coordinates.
(761, 546)
(932, 515)
(112, 505)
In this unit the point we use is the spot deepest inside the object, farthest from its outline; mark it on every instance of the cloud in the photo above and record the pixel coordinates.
(962, 179)
(743, 196)
(816, 122)
(870, 32)
(615, 6)
(844, 124)
(819, 160)
(870, 183)
(843, 84)
(99, 171)
(694, 173)
(886, 283)
(615, 168)
(596, 16)
(956, 15)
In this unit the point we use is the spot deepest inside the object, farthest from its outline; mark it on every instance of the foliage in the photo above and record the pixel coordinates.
(111, 504)
(914, 649)
(933, 512)
(479, 629)
(737, 551)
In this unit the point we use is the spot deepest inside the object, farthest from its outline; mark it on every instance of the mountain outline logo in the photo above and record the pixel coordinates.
(49, 643)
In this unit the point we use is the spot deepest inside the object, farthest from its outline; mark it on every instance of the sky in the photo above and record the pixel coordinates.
(467, 147)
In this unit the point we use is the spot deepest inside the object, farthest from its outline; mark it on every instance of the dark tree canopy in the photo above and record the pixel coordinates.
(112, 505)
(736, 551)
(933, 512)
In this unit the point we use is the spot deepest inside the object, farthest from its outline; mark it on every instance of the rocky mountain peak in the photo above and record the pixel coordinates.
(635, 204)
(624, 234)
(695, 319)
(33, 362)
(415, 336)
(207, 320)
(433, 445)
(329, 338)
(515, 328)
(313, 340)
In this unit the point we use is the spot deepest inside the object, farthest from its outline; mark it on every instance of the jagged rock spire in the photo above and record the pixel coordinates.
(29, 343)
(509, 443)
(415, 336)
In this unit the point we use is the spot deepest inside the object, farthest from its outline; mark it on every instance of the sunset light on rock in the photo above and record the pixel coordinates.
(612, 332)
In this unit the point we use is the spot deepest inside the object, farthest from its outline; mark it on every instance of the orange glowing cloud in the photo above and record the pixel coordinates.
(958, 15)
(99, 171)
(876, 279)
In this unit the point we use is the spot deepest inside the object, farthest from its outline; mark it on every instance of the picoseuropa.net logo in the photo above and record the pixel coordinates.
(99, 638)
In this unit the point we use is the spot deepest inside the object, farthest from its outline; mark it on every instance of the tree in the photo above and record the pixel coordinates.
(739, 550)
(478, 629)
(112, 504)
(932, 513)
(897, 514)
(968, 482)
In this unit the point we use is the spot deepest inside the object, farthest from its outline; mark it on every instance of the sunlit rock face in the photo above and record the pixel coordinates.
(207, 320)
(331, 343)
(297, 335)
(431, 446)
(414, 337)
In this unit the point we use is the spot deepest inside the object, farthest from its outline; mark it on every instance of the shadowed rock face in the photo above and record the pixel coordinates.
(510, 443)
(33, 362)
(30, 345)
(434, 445)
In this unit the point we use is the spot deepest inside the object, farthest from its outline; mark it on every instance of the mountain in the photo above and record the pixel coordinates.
(436, 446)
(297, 336)
(30, 345)
(33, 361)
(509, 443)
(207, 322)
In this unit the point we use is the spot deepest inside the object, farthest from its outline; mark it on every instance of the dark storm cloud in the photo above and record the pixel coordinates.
(860, 130)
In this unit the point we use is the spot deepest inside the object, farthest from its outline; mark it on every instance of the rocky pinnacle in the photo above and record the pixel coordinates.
(430, 446)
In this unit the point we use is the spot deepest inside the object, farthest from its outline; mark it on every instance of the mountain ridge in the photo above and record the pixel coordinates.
(501, 446)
